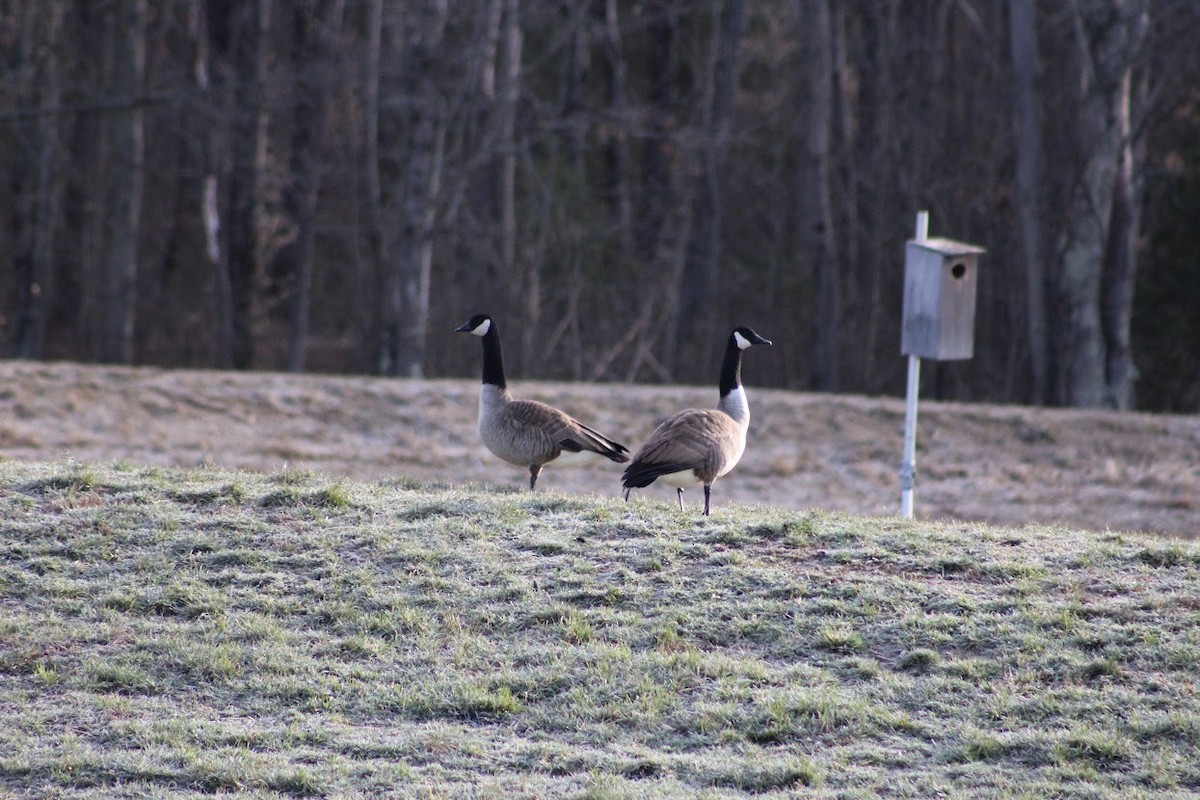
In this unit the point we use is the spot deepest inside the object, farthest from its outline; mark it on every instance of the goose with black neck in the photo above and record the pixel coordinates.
(529, 433)
(700, 445)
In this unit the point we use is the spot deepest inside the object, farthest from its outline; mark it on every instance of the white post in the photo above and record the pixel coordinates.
(908, 467)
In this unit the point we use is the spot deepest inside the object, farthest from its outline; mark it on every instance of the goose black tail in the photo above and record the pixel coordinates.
(613, 451)
(640, 473)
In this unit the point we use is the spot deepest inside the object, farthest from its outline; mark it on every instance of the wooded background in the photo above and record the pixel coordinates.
(335, 185)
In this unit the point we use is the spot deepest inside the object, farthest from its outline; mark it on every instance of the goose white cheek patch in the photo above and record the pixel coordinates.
(483, 328)
(742, 341)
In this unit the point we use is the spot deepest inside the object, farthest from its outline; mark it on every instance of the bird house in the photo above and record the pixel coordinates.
(940, 276)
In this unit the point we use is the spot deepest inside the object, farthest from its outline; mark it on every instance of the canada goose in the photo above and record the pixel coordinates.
(699, 445)
(525, 432)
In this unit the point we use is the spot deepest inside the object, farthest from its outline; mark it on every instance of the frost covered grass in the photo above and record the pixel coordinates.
(177, 633)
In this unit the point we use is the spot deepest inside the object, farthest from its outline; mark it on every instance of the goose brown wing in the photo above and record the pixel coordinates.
(692, 439)
(556, 430)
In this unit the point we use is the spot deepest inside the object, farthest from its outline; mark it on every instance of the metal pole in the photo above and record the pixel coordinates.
(908, 467)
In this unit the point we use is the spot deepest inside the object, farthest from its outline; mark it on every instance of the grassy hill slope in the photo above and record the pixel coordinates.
(1004, 465)
(176, 633)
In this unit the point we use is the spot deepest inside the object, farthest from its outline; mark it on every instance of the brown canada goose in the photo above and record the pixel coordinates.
(699, 445)
(525, 432)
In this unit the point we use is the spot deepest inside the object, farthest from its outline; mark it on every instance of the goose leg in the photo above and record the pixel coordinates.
(627, 495)
(707, 490)
(534, 470)
(679, 491)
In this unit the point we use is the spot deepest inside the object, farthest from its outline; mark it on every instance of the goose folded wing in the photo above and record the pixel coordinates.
(558, 430)
(538, 425)
(691, 439)
(698, 431)
(664, 457)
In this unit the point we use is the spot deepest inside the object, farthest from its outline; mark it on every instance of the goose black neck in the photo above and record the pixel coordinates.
(493, 361)
(731, 368)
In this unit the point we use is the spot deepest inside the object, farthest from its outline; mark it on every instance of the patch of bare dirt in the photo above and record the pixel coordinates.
(1000, 464)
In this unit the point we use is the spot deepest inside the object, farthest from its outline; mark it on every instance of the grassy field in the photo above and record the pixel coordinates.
(175, 633)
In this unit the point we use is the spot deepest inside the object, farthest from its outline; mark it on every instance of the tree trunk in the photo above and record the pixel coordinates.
(506, 123)
(1027, 95)
(696, 290)
(571, 96)
(208, 203)
(377, 242)
(1108, 38)
(91, 153)
(38, 186)
(523, 279)
(1082, 359)
(818, 245)
(1120, 269)
(310, 21)
(662, 26)
(129, 146)
(616, 145)
(245, 35)
(846, 174)
(405, 310)
(873, 152)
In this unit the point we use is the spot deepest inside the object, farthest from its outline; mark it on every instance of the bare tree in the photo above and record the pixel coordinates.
(1027, 96)
(377, 242)
(38, 182)
(846, 198)
(818, 243)
(239, 35)
(1120, 265)
(212, 160)
(523, 277)
(616, 138)
(129, 146)
(696, 289)
(870, 93)
(657, 179)
(313, 22)
(1108, 39)
(420, 130)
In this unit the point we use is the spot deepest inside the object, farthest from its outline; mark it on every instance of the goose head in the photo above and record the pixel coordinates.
(744, 337)
(477, 325)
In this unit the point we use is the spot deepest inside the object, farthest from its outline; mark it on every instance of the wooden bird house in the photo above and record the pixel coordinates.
(940, 278)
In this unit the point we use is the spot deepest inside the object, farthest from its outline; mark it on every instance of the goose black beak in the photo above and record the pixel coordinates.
(464, 328)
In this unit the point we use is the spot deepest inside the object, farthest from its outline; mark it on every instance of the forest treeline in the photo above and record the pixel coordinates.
(335, 185)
